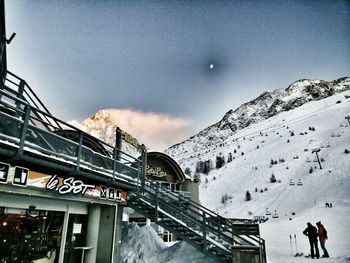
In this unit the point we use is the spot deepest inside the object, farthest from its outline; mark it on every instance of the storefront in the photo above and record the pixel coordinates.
(48, 218)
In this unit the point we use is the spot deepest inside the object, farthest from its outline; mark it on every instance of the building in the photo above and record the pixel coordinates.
(63, 192)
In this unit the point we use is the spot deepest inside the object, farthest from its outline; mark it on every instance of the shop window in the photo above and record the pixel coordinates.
(29, 235)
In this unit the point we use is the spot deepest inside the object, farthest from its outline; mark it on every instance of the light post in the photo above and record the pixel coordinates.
(316, 150)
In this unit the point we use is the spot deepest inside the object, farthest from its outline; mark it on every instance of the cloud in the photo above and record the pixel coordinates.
(157, 131)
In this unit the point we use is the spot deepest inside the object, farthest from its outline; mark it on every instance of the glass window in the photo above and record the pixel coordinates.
(28, 235)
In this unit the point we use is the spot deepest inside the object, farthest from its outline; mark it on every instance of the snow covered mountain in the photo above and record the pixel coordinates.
(102, 125)
(274, 136)
(265, 106)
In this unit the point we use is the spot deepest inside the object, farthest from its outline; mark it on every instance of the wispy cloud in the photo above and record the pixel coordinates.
(157, 131)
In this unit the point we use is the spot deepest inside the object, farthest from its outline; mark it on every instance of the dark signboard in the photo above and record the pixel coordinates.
(4, 172)
(20, 177)
(36, 213)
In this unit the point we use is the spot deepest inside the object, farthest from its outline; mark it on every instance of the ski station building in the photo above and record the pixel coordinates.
(64, 194)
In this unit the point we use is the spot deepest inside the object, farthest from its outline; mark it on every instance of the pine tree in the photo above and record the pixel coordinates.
(273, 178)
(220, 162)
(248, 196)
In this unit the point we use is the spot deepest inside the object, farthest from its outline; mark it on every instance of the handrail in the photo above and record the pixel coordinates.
(32, 119)
(30, 89)
(186, 218)
(195, 204)
(227, 234)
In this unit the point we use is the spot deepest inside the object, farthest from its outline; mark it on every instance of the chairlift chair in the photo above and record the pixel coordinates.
(275, 215)
(299, 183)
(291, 182)
(268, 213)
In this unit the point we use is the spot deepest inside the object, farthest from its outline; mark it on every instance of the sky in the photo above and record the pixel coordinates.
(150, 58)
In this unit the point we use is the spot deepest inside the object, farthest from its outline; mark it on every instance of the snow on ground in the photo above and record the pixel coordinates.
(261, 142)
(143, 245)
(276, 233)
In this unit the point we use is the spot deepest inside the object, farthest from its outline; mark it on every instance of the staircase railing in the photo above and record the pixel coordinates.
(210, 232)
(37, 131)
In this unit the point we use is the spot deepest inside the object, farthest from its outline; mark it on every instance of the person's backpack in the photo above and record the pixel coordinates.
(325, 233)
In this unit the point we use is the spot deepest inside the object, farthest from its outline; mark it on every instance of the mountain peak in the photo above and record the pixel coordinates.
(266, 105)
(101, 115)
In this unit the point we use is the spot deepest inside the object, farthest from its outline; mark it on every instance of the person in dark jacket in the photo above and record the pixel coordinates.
(311, 233)
(322, 236)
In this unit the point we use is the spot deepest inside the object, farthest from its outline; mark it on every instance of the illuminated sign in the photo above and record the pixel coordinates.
(18, 176)
(131, 140)
(155, 171)
(36, 213)
(68, 186)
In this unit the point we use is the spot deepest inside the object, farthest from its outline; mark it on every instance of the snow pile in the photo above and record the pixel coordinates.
(143, 245)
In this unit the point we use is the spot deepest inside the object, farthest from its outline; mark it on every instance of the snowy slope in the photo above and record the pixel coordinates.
(267, 105)
(287, 137)
(272, 136)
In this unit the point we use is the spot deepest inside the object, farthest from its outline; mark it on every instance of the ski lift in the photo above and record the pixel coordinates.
(291, 182)
(268, 213)
(275, 215)
(299, 183)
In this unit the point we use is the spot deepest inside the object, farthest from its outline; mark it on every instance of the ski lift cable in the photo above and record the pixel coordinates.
(290, 189)
(274, 127)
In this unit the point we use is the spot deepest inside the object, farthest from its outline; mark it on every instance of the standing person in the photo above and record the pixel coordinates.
(322, 236)
(311, 233)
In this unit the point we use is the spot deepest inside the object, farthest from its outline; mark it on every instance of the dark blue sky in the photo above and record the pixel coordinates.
(154, 56)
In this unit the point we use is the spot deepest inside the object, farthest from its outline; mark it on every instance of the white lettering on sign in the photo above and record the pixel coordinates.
(69, 186)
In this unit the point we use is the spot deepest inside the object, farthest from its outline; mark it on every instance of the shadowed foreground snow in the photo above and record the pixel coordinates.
(142, 245)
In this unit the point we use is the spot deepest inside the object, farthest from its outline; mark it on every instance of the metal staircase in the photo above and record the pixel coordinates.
(203, 229)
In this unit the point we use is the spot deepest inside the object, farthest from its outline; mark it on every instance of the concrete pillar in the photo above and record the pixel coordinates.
(118, 229)
(192, 187)
(92, 233)
(106, 234)
(148, 222)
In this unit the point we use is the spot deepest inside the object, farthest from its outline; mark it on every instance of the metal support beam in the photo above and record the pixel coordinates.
(24, 131)
(79, 150)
